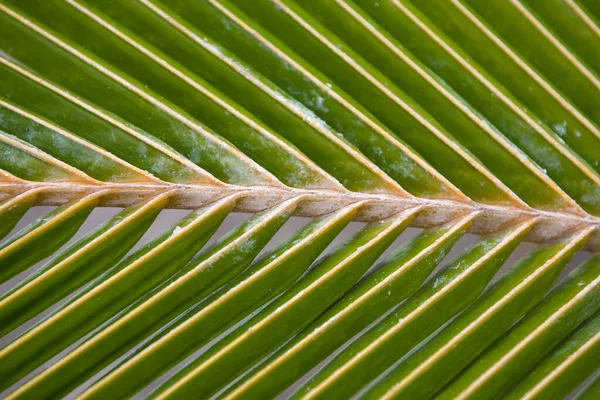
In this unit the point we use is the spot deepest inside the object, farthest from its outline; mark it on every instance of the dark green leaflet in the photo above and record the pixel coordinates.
(392, 281)
(76, 265)
(450, 291)
(452, 349)
(332, 276)
(115, 290)
(508, 360)
(190, 293)
(13, 209)
(565, 368)
(44, 236)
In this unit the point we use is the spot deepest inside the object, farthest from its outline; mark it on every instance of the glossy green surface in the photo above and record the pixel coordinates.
(449, 292)
(115, 290)
(566, 367)
(384, 104)
(393, 280)
(322, 285)
(79, 263)
(191, 293)
(493, 61)
(12, 210)
(25, 165)
(43, 236)
(458, 344)
(15, 121)
(512, 357)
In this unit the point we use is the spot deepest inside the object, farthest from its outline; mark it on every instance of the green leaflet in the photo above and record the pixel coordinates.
(216, 27)
(571, 28)
(194, 130)
(44, 236)
(51, 139)
(393, 107)
(568, 74)
(475, 46)
(255, 287)
(114, 290)
(569, 364)
(592, 7)
(514, 355)
(445, 295)
(76, 265)
(265, 101)
(188, 294)
(392, 281)
(498, 125)
(468, 126)
(332, 276)
(590, 391)
(13, 209)
(434, 364)
(25, 165)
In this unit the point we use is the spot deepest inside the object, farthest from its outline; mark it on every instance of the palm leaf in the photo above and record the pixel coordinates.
(453, 116)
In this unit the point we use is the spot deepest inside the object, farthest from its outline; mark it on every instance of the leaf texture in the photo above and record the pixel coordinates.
(434, 114)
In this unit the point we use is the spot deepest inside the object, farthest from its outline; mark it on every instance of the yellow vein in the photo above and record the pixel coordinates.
(193, 83)
(353, 305)
(336, 96)
(487, 128)
(57, 219)
(297, 110)
(419, 310)
(556, 43)
(288, 304)
(227, 295)
(38, 329)
(548, 379)
(37, 153)
(527, 69)
(143, 94)
(97, 112)
(170, 288)
(548, 322)
(21, 197)
(455, 341)
(76, 139)
(22, 291)
(415, 114)
(539, 128)
(591, 24)
(6, 177)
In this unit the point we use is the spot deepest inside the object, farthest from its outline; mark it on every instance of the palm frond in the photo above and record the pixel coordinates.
(453, 116)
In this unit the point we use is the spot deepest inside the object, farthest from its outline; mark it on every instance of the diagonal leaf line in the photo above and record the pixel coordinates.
(22, 291)
(191, 82)
(72, 137)
(594, 341)
(29, 149)
(419, 310)
(88, 107)
(487, 128)
(354, 304)
(552, 319)
(399, 219)
(300, 113)
(414, 113)
(511, 103)
(550, 89)
(581, 236)
(54, 221)
(335, 95)
(133, 88)
(556, 43)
